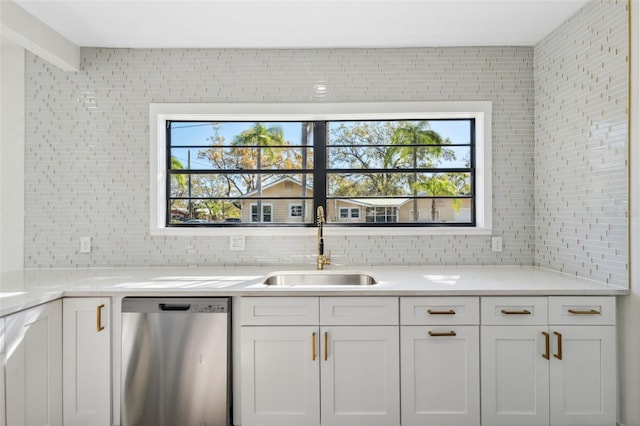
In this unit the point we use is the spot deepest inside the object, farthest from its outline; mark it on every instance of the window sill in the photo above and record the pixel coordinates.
(311, 231)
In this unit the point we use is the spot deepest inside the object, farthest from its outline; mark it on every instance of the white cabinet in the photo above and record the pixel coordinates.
(359, 371)
(280, 361)
(280, 376)
(440, 374)
(548, 361)
(34, 366)
(309, 373)
(87, 362)
(583, 361)
(360, 361)
(515, 376)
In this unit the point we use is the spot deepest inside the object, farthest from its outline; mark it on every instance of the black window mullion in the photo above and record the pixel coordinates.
(319, 166)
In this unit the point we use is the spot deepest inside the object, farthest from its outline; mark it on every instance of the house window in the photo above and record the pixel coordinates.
(295, 210)
(382, 214)
(347, 213)
(266, 216)
(236, 169)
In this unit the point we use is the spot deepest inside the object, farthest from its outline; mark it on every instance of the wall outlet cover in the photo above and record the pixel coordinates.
(85, 244)
(496, 244)
(236, 243)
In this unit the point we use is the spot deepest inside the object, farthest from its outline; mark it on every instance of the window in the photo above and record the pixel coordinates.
(382, 214)
(266, 216)
(347, 213)
(238, 169)
(295, 210)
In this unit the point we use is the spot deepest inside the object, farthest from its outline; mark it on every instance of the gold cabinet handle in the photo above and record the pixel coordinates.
(589, 312)
(559, 353)
(326, 346)
(449, 312)
(522, 312)
(99, 325)
(546, 345)
(313, 347)
(451, 333)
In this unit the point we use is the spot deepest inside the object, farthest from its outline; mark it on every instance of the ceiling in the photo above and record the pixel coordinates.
(302, 23)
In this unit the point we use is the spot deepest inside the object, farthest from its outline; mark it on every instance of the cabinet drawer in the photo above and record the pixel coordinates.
(439, 310)
(586, 310)
(358, 310)
(513, 310)
(279, 311)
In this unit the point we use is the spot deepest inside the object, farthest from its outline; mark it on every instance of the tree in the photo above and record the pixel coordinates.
(178, 181)
(259, 147)
(417, 143)
(447, 184)
(392, 147)
(178, 188)
(364, 146)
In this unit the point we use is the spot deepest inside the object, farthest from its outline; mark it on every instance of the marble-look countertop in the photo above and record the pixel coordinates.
(23, 289)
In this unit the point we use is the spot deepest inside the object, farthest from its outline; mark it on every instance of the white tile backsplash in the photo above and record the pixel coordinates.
(87, 168)
(87, 164)
(581, 145)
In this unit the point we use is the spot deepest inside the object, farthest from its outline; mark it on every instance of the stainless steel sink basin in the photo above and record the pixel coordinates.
(319, 279)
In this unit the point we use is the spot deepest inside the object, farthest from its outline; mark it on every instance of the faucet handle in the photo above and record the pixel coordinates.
(323, 260)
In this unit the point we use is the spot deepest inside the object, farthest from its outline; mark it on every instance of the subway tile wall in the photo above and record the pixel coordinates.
(581, 186)
(87, 148)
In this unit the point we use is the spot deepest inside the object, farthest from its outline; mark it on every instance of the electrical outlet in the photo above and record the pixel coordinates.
(85, 244)
(496, 244)
(236, 243)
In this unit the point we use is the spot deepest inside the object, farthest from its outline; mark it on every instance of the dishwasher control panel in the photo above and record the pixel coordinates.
(209, 307)
(176, 305)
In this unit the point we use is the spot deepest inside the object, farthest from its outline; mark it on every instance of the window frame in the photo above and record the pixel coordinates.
(481, 111)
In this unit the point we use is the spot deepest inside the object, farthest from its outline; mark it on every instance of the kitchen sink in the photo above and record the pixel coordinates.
(318, 279)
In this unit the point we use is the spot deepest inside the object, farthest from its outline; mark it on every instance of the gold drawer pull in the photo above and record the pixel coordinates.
(326, 346)
(546, 345)
(313, 347)
(449, 334)
(449, 312)
(559, 353)
(99, 325)
(522, 312)
(589, 312)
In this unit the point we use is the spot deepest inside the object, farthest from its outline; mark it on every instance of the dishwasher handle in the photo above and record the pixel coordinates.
(174, 306)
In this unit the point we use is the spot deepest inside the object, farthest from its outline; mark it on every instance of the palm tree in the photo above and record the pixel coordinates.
(448, 184)
(180, 180)
(420, 146)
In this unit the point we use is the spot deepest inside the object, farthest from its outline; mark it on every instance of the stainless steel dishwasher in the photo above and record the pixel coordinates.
(175, 362)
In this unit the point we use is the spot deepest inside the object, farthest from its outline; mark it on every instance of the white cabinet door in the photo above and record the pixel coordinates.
(583, 381)
(440, 381)
(515, 376)
(360, 376)
(87, 362)
(34, 366)
(280, 376)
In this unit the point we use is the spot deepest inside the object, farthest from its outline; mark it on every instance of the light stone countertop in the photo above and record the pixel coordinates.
(23, 289)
